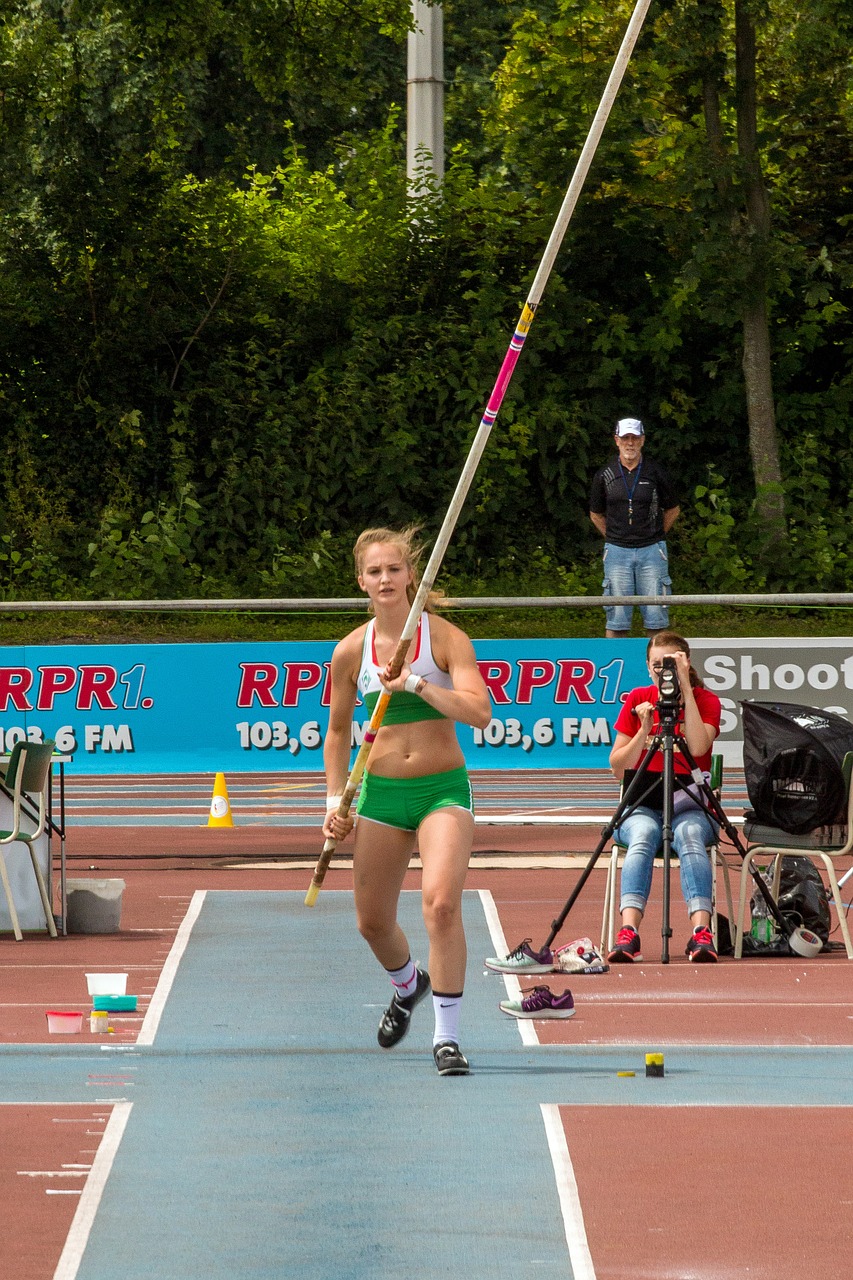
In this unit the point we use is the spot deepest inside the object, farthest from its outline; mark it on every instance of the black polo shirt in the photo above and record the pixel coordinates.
(632, 502)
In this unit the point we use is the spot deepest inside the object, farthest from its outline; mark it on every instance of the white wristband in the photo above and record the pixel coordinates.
(333, 802)
(412, 682)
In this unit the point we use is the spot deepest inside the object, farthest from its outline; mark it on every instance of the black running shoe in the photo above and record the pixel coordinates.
(450, 1059)
(395, 1019)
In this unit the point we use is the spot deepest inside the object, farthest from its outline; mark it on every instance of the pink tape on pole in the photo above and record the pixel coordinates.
(495, 400)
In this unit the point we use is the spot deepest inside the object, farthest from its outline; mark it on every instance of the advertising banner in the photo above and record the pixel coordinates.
(816, 673)
(247, 706)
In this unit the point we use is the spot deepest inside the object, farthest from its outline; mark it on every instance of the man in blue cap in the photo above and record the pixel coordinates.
(633, 507)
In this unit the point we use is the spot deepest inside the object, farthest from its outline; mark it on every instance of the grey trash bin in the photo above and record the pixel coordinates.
(94, 906)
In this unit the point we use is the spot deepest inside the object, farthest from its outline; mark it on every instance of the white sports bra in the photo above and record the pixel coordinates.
(403, 707)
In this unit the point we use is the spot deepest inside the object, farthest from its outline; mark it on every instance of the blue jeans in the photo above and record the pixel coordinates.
(692, 832)
(636, 571)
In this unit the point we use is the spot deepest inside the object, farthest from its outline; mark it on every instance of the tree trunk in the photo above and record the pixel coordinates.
(757, 360)
(761, 413)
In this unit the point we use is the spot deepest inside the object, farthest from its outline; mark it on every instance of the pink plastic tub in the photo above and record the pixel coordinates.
(64, 1024)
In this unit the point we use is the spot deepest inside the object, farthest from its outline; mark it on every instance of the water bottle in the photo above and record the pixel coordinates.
(763, 928)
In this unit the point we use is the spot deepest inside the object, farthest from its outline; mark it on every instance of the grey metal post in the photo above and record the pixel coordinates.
(425, 94)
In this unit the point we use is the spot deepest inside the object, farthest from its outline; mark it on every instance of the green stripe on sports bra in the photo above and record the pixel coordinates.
(404, 708)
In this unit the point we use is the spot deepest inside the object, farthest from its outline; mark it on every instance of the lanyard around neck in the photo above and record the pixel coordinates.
(630, 492)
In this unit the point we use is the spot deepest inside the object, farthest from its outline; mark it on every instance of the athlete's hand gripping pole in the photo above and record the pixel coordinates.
(361, 760)
(488, 420)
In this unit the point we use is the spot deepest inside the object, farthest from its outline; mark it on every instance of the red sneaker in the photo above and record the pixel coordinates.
(701, 948)
(627, 946)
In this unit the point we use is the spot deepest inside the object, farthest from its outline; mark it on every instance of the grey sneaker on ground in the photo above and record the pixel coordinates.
(523, 960)
(540, 1003)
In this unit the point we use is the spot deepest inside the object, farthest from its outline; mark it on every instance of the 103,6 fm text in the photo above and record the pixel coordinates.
(105, 738)
(572, 730)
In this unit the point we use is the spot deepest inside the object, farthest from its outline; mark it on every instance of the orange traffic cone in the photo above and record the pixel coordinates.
(220, 809)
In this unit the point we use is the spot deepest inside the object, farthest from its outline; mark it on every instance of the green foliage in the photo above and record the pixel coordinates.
(306, 571)
(720, 547)
(820, 530)
(155, 559)
(31, 572)
(230, 338)
(713, 542)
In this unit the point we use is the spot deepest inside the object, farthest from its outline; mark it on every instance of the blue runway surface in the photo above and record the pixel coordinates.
(269, 1136)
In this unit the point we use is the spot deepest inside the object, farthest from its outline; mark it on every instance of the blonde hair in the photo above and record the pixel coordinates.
(673, 640)
(407, 541)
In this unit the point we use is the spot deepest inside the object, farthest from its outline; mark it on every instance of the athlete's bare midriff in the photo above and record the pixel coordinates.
(413, 750)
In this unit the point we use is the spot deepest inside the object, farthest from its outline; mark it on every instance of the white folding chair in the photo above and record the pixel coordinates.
(26, 779)
(826, 844)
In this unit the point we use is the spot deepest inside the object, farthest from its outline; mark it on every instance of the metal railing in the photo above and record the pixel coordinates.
(358, 604)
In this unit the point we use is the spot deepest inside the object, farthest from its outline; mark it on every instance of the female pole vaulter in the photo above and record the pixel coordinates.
(415, 789)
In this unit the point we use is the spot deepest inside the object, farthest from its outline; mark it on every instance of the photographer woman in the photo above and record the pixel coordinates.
(692, 829)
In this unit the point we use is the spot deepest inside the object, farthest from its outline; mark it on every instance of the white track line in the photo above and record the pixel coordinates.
(496, 932)
(567, 1189)
(161, 993)
(513, 990)
(84, 1217)
(81, 1226)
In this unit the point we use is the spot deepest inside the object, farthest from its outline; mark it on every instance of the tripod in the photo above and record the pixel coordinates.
(639, 789)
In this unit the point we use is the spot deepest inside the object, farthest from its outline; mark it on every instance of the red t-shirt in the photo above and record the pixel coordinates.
(628, 722)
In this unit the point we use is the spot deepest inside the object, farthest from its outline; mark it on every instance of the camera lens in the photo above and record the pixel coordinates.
(669, 691)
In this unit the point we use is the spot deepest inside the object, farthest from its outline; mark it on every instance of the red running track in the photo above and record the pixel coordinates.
(679, 1193)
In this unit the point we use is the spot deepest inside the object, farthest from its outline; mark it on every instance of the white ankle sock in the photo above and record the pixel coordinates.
(447, 1009)
(405, 980)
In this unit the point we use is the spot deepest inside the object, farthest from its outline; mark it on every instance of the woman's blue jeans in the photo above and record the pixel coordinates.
(692, 832)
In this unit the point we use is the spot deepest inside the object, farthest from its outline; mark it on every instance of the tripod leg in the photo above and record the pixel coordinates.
(556, 925)
(626, 805)
(845, 877)
(666, 842)
(629, 801)
(521, 959)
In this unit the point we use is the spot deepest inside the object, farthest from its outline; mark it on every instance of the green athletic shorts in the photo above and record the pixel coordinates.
(405, 802)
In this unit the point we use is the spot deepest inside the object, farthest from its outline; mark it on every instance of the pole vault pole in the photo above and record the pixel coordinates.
(488, 420)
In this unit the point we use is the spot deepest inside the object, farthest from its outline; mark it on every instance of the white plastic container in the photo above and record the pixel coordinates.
(107, 984)
(60, 1022)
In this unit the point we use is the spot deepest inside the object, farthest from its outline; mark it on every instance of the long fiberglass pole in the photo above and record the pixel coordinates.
(488, 420)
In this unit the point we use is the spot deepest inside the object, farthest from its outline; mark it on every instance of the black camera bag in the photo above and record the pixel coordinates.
(792, 757)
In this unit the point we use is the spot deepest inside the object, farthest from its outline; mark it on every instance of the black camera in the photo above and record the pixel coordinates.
(669, 689)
